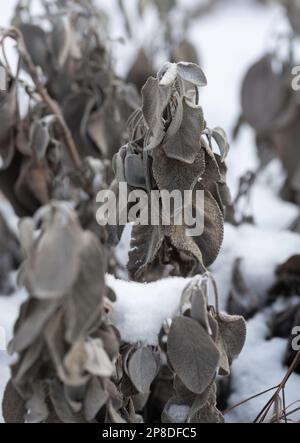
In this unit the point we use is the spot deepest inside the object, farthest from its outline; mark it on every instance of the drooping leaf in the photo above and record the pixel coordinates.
(145, 244)
(181, 176)
(192, 354)
(13, 405)
(219, 135)
(8, 117)
(142, 368)
(95, 398)
(61, 40)
(262, 95)
(98, 362)
(51, 274)
(185, 144)
(36, 406)
(191, 73)
(232, 332)
(155, 100)
(37, 315)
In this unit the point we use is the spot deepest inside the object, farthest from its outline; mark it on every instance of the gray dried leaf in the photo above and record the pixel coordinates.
(199, 308)
(262, 95)
(36, 43)
(220, 137)
(140, 70)
(61, 40)
(114, 416)
(36, 406)
(8, 117)
(39, 138)
(183, 393)
(185, 144)
(32, 188)
(74, 365)
(26, 234)
(184, 51)
(293, 10)
(155, 101)
(98, 362)
(145, 244)
(132, 416)
(142, 369)
(51, 274)
(118, 164)
(192, 354)
(13, 406)
(114, 394)
(30, 358)
(208, 413)
(111, 340)
(62, 408)
(38, 312)
(95, 398)
(167, 74)
(201, 400)
(135, 171)
(211, 240)
(232, 331)
(191, 73)
(181, 176)
(184, 243)
(74, 396)
(177, 113)
(83, 312)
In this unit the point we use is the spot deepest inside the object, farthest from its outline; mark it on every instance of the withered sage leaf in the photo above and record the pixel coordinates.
(142, 368)
(192, 353)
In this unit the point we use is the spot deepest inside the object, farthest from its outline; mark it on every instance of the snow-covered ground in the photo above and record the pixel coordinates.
(229, 40)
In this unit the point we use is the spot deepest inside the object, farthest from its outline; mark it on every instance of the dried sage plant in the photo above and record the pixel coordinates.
(77, 106)
(201, 343)
(171, 148)
(66, 347)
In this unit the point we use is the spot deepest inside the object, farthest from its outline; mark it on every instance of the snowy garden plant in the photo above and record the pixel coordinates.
(73, 363)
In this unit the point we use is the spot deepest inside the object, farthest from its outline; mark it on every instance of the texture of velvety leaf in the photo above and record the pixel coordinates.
(35, 40)
(185, 144)
(155, 100)
(51, 274)
(221, 139)
(135, 171)
(13, 405)
(208, 413)
(232, 332)
(37, 315)
(192, 353)
(142, 368)
(83, 311)
(210, 242)
(191, 73)
(180, 175)
(95, 398)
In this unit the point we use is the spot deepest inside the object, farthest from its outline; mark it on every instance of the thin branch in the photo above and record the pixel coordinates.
(266, 409)
(249, 399)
